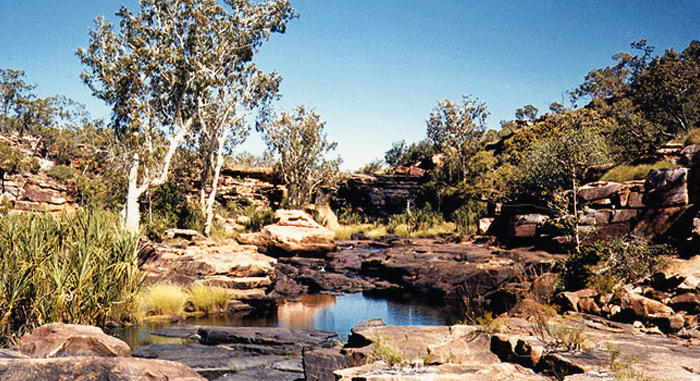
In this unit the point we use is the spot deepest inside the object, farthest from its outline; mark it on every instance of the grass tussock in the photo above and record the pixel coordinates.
(168, 299)
(634, 172)
(693, 137)
(79, 269)
(208, 299)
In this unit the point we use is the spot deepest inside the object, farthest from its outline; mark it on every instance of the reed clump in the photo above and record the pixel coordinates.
(80, 269)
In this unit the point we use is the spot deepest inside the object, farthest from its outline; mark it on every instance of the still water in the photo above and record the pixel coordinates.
(322, 312)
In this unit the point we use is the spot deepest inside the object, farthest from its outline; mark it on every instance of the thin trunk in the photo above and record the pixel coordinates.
(215, 183)
(131, 208)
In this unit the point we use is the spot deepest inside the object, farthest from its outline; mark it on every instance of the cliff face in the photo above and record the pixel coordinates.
(377, 195)
(665, 204)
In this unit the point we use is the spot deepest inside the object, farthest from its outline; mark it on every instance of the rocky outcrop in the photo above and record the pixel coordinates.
(38, 193)
(377, 195)
(75, 352)
(258, 185)
(67, 340)
(243, 353)
(226, 263)
(294, 232)
(607, 351)
(651, 208)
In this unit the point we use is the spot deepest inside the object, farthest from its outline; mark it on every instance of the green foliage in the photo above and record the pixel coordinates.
(301, 147)
(61, 172)
(403, 155)
(96, 192)
(258, 218)
(11, 160)
(692, 137)
(605, 265)
(170, 208)
(372, 168)
(80, 269)
(490, 325)
(634, 172)
(383, 349)
(467, 217)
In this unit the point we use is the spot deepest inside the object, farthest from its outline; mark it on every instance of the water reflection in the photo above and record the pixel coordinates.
(323, 312)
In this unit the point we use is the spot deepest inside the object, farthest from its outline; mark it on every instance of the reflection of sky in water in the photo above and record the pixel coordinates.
(323, 312)
(350, 309)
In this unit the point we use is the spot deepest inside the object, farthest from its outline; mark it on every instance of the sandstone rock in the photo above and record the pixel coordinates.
(579, 301)
(377, 195)
(689, 153)
(319, 364)
(643, 308)
(595, 217)
(688, 301)
(635, 200)
(294, 232)
(326, 214)
(444, 372)
(223, 263)
(64, 340)
(525, 226)
(484, 225)
(667, 187)
(95, 368)
(598, 190)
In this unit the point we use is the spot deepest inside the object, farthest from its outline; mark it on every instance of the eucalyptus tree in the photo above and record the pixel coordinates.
(301, 147)
(163, 69)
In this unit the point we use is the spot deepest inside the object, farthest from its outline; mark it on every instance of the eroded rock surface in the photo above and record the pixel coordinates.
(294, 232)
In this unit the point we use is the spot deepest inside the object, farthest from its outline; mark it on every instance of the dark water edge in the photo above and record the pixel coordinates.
(320, 312)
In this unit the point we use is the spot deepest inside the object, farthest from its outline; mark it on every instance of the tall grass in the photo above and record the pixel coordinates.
(72, 269)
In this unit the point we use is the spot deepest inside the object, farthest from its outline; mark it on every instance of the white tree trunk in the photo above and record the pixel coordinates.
(221, 139)
(131, 213)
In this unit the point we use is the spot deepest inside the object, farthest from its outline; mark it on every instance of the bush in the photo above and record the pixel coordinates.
(605, 265)
(634, 172)
(61, 172)
(692, 137)
(258, 218)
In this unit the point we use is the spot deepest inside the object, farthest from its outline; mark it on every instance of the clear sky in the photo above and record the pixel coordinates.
(373, 69)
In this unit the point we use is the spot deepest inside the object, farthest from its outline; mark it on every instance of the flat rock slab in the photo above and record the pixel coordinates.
(95, 368)
(64, 340)
(265, 336)
(258, 374)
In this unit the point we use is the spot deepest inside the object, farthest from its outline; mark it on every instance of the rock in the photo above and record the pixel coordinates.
(526, 225)
(325, 214)
(376, 195)
(688, 154)
(64, 340)
(690, 283)
(643, 308)
(484, 225)
(595, 217)
(598, 190)
(319, 364)
(186, 234)
(667, 187)
(294, 232)
(223, 263)
(264, 336)
(689, 302)
(95, 368)
(443, 372)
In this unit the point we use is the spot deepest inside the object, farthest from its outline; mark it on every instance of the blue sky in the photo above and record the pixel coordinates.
(373, 69)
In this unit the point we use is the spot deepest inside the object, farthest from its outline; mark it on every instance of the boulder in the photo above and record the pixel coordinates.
(223, 263)
(294, 232)
(643, 308)
(526, 225)
(598, 190)
(667, 187)
(64, 340)
(95, 368)
(319, 364)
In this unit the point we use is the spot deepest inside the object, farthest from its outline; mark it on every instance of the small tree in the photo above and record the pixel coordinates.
(301, 147)
(11, 160)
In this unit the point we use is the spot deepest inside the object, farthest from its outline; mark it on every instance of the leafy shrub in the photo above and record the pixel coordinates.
(634, 172)
(604, 265)
(467, 217)
(61, 172)
(170, 208)
(557, 333)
